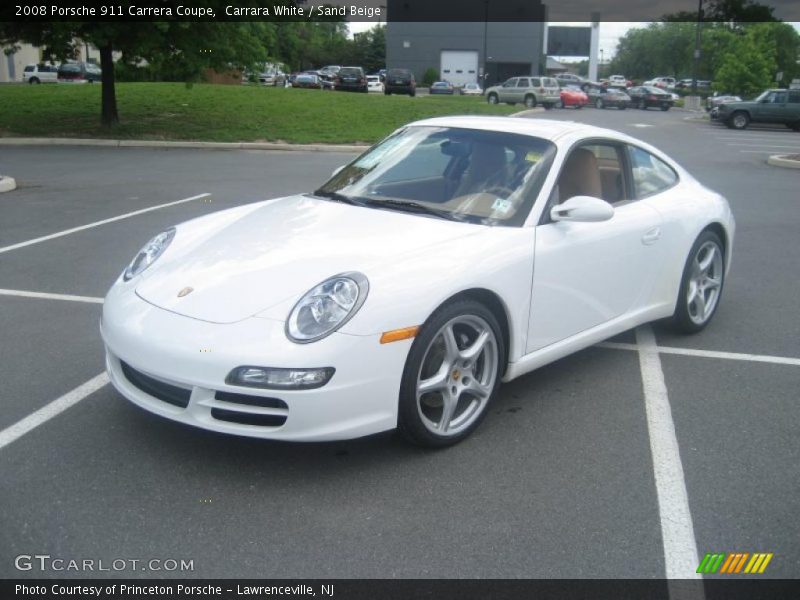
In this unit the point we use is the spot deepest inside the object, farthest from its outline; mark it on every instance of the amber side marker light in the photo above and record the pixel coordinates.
(395, 335)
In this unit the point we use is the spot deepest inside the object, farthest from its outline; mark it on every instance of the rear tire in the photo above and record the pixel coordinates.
(701, 284)
(460, 386)
(492, 99)
(34, 81)
(642, 105)
(664, 107)
(599, 103)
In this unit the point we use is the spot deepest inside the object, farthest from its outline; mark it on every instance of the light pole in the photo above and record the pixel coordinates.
(696, 57)
(485, 31)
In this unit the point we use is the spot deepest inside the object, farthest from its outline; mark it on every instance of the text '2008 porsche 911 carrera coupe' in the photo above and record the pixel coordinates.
(457, 253)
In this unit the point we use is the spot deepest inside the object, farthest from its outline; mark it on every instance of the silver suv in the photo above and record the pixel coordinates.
(529, 91)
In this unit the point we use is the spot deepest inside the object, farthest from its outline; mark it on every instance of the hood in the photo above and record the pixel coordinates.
(238, 267)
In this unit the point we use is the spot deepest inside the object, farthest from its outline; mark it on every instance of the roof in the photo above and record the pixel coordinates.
(554, 65)
(544, 128)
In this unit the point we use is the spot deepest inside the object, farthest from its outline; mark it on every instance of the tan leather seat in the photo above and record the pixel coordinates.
(580, 176)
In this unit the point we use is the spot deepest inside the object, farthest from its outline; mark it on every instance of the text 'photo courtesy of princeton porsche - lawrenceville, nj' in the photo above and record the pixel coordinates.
(400, 299)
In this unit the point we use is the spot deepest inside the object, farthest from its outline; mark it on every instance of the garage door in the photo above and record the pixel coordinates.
(460, 66)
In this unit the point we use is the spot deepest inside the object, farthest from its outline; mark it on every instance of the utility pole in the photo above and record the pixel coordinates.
(696, 58)
(485, 31)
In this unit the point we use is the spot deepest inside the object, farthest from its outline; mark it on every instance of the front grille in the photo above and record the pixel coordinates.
(171, 394)
(249, 400)
(245, 418)
(233, 416)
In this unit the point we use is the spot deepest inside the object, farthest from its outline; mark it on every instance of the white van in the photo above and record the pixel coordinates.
(40, 73)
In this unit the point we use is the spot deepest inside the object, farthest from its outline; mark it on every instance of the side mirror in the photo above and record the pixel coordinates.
(337, 170)
(582, 209)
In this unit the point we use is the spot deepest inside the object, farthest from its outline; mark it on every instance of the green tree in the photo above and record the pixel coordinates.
(188, 47)
(746, 70)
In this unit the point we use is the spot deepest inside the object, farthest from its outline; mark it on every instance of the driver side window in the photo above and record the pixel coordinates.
(593, 170)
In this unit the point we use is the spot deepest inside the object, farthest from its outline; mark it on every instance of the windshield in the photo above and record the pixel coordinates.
(472, 175)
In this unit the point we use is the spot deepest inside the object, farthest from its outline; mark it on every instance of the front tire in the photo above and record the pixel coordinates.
(34, 80)
(451, 375)
(739, 120)
(530, 101)
(642, 105)
(599, 103)
(701, 284)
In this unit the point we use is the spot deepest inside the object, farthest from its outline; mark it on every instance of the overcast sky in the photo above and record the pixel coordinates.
(610, 32)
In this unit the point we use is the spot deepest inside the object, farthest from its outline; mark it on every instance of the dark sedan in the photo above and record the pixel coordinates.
(442, 87)
(307, 80)
(603, 97)
(351, 79)
(399, 81)
(646, 96)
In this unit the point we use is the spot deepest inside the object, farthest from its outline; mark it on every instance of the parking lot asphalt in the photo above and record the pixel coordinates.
(559, 481)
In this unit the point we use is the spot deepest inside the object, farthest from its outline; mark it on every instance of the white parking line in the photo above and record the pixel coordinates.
(97, 223)
(765, 358)
(68, 297)
(677, 531)
(764, 146)
(47, 412)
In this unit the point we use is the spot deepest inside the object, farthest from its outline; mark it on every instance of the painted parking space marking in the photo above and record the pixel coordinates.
(677, 530)
(59, 234)
(55, 408)
(44, 296)
(765, 358)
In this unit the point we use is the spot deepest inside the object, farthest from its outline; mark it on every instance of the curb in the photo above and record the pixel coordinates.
(524, 113)
(782, 160)
(7, 184)
(10, 141)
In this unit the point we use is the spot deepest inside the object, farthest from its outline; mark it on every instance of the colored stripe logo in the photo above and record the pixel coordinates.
(734, 562)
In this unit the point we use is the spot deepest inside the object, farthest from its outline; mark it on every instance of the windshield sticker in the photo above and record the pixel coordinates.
(533, 157)
(502, 206)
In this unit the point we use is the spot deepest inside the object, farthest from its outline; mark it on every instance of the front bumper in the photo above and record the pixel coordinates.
(192, 358)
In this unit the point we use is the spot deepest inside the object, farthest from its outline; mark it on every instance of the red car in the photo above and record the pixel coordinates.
(572, 96)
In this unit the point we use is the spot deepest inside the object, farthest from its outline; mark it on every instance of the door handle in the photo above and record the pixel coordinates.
(651, 237)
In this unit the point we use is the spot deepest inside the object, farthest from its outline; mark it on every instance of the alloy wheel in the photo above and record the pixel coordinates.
(705, 282)
(457, 375)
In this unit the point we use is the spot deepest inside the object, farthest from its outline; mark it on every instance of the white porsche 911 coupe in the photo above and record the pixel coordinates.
(457, 253)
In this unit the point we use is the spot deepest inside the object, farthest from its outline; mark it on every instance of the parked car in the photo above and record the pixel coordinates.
(601, 97)
(618, 81)
(714, 102)
(400, 81)
(686, 84)
(79, 72)
(513, 234)
(471, 89)
(442, 87)
(40, 73)
(274, 78)
(530, 91)
(661, 82)
(646, 96)
(307, 80)
(777, 106)
(564, 79)
(573, 96)
(350, 79)
(374, 83)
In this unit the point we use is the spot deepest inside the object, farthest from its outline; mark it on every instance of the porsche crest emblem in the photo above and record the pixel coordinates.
(185, 292)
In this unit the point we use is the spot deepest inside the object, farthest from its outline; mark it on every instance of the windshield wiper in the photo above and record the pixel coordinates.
(410, 206)
(338, 197)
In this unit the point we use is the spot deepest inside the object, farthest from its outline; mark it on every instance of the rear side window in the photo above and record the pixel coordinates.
(29, 69)
(523, 82)
(651, 175)
(794, 97)
(536, 82)
(549, 82)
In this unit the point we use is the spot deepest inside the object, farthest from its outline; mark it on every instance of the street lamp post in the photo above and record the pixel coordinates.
(485, 31)
(696, 56)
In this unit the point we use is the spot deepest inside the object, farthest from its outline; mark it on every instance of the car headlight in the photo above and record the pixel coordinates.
(149, 254)
(326, 307)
